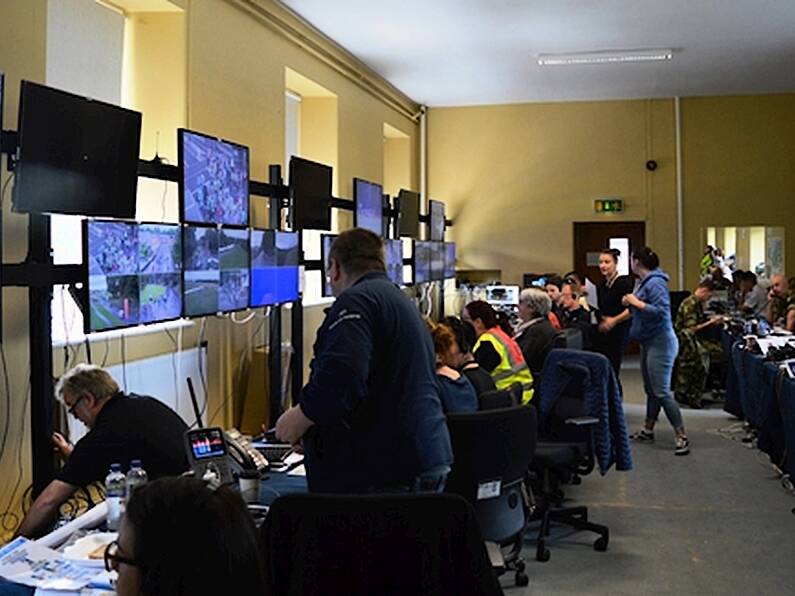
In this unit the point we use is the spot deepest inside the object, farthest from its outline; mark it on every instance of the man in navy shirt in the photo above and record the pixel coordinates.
(370, 416)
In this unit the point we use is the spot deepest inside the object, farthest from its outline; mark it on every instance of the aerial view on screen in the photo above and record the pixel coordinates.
(160, 269)
(233, 257)
(393, 250)
(202, 274)
(422, 262)
(274, 267)
(369, 206)
(327, 241)
(112, 274)
(437, 220)
(215, 181)
(437, 260)
(449, 260)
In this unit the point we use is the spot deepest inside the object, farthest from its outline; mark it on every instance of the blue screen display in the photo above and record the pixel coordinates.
(274, 267)
(436, 209)
(369, 206)
(437, 260)
(214, 180)
(326, 241)
(393, 251)
(422, 261)
(450, 260)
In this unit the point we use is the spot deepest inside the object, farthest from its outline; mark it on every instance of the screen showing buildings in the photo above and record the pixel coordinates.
(274, 267)
(449, 260)
(436, 209)
(393, 251)
(422, 261)
(409, 213)
(369, 206)
(214, 186)
(76, 155)
(202, 274)
(233, 259)
(438, 258)
(133, 273)
(325, 249)
(310, 190)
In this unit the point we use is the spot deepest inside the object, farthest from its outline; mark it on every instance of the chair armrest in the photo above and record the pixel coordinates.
(582, 421)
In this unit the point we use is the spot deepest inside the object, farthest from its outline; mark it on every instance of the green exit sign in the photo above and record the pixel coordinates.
(608, 205)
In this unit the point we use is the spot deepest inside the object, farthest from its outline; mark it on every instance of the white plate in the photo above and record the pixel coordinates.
(78, 552)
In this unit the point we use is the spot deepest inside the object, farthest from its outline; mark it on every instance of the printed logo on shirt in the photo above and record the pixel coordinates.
(344, 316)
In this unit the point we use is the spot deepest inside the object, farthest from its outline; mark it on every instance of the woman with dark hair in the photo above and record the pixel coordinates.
(179, 536)
(614, 316)
(650, 307)
(495, 349)
(467, 365)
(455, 390)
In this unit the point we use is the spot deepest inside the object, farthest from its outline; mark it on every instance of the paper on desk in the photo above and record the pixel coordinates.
(298, 471)
(765, 343)
(293, 458)
(90, 519)
(31, 564)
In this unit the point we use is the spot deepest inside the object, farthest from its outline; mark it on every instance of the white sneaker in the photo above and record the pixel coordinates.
(682, 446)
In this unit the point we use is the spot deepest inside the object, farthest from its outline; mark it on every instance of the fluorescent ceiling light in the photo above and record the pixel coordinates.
(605, 57)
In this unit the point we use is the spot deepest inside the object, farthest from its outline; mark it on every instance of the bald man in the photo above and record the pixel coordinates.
(776, 310)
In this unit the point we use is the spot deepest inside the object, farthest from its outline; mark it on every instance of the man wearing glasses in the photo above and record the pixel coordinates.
(121, 428)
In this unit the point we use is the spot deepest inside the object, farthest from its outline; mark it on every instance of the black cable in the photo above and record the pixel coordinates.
(23, 418)
(107, 351)
(201, 368)
(174, 366)
(5, 187)
(88, 350)
(123, 362)
(7, 387)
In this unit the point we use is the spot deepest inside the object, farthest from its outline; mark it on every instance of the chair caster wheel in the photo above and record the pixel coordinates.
(521, 578)
(543, 555)
(601, 544)
(520, 566)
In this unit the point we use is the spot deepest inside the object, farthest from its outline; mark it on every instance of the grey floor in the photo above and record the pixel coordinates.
(715, 522)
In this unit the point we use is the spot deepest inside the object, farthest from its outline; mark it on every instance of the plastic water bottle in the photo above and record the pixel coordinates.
(115, 489)
(135, 477)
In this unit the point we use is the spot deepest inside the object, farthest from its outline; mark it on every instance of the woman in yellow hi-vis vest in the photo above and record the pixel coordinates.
(495, 349)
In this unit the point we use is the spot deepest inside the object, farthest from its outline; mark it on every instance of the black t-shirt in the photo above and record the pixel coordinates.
(610, 296)
(480, 379)
(127, 428)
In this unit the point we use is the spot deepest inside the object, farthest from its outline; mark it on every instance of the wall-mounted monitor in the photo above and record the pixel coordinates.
(234, 262)
(368, 206)
(502, 295)
(274, 267)
(449, 260)
(393, 251)
(76, 155)
(133, 271)
(438, 257)
(422, 261)
(213, 180)
(202, 272)
(436, 211)
(326, 240)
(310, 191)
(409, 213)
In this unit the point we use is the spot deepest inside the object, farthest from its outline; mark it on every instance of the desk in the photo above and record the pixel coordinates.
(276, 484)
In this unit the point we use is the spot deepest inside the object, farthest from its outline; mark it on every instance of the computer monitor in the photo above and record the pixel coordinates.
(436, 211)
(438, 257)
(502, 295)
(76, 155)
(133, 273)
(409, 213)
(234, 263)
(202, 271)
(326, 240)
(422, 261)
(449, 260)
(274, 267)
(393, 252)
(213, 180)
(310, 190)
(368, 206)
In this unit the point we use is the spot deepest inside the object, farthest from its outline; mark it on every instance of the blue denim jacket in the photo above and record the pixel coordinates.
(656, 317)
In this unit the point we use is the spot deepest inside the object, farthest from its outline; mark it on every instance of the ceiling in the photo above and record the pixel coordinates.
(471, 52)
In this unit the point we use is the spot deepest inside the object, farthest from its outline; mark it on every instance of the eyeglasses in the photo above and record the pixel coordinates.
(71, 409)
(113, 558)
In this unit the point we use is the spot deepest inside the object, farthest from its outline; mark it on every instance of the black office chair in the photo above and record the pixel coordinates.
(564, 453)
(498, 398)
(492, 451)
(568, 339)
(359, 545)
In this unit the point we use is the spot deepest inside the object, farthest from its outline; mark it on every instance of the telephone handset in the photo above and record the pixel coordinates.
(242, 454)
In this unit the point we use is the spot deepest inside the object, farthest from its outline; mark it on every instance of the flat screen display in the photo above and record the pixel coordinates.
(274, 267)
(438, 257)
(409, 213)
(449, 260)
(393, 251)
(233, 259)
(436, 209)
(76, 155)
(202, 274)
(310, 190)
(502, 295)
(326, 240)
(422, 261)
(369, 206)
(206, 443)
(214, 181)
(134, 273)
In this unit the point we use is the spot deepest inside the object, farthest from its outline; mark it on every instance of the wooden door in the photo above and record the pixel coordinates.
(591, 237)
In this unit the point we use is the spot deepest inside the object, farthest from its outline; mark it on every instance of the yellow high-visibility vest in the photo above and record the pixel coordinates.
(512, 367)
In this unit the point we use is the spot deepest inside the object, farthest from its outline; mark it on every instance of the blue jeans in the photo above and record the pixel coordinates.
(657, 356)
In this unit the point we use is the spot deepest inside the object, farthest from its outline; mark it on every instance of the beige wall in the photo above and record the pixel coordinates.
(515, 177)
(320, 132)
(397, 165)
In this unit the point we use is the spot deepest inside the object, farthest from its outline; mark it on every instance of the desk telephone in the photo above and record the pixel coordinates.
(213, 451)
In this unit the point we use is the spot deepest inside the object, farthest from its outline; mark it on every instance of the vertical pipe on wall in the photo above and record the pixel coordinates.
(423, 154)
(680, 225)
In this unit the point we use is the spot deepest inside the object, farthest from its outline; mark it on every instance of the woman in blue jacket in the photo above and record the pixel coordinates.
(650, 306)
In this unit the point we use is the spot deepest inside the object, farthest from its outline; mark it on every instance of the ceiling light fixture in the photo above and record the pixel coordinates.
(605, 57)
